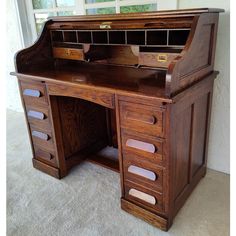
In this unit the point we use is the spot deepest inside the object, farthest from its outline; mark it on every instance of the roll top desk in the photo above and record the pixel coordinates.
(131, 92)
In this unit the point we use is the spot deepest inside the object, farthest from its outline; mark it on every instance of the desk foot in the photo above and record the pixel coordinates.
(46, 168)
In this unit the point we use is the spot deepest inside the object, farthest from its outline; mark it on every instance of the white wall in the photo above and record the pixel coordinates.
(219, 143)
(14, 43)
(218, 157)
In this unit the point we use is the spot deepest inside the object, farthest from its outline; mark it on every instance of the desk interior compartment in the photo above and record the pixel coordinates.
(178, 37)
(157, 37)
(87, 132)
(136, 37)
(117, 37)
(57, 36)
(157, 56)
(100, 37)
(70, 36)
(84, 36)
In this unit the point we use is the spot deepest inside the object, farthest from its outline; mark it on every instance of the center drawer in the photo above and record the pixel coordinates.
(142, 118)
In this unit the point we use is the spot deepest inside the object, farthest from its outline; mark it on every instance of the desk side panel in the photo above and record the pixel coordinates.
(189, 139)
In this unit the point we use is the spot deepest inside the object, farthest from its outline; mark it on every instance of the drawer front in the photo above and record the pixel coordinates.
(149, 148)
(144, 196)
(68, 53)
(142, 172)
(156, 59)
(142, 118)
(34, 93)
(45, 156)
(38, 116)
(102, 98)
(42, 138)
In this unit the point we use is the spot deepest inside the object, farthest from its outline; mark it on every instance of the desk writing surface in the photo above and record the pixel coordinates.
(115, 78)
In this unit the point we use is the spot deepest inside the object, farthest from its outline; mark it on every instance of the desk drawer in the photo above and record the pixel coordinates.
(42, 138)
(149, 148)
(142, 172)
(39, 117)
(68, 53)
(142, 118)
(34, 93)
(45, 156)
(90, 94)
(144, 196)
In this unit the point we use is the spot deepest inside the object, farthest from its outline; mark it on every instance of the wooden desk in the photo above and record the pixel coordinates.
(131, 92)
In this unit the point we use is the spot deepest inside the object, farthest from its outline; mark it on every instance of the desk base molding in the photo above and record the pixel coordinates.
(145, 215)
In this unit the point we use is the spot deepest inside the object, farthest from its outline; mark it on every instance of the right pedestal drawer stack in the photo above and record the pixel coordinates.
(143, 154)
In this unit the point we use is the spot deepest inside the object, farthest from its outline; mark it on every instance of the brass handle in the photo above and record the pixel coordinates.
(32, 93)
(105, 25)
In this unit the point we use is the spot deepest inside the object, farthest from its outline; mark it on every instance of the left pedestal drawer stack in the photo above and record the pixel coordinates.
(37, 109)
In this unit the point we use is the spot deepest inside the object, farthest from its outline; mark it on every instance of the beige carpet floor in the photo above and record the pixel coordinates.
(87, 201)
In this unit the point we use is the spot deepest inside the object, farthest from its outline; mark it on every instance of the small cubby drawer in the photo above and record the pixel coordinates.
(45, 156)
(153, 59)
(150, 148)
(68, 53)
(34, 93)
(138, 170)
(42, 138)
(143, 196)
(138, 117)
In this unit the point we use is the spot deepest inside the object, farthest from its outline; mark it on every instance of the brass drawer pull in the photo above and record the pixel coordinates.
(147, 147)
(142, 172)
(36, 114)
(148, 119)
(40, 135)
(143, 196)
(105, 25)
(32, 93)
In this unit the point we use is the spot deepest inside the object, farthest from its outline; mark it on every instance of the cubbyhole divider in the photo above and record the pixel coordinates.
(139, 37)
